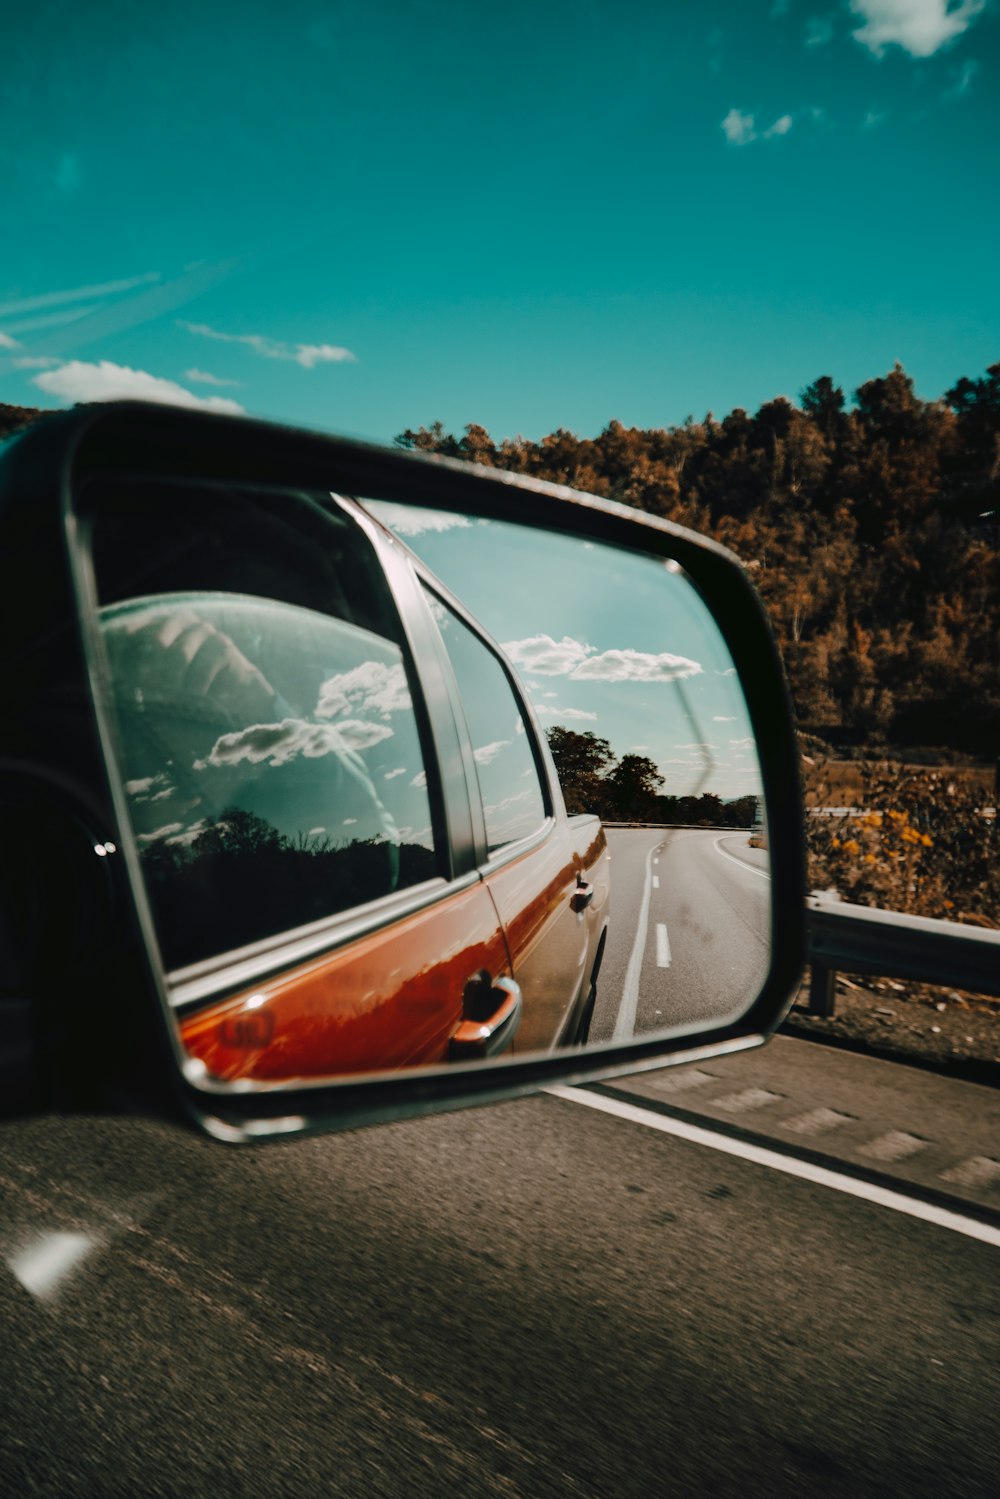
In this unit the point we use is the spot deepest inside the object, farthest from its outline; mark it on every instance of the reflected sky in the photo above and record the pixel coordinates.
(606, 642)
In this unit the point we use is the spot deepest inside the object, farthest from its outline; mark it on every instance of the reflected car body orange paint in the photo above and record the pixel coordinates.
(394, 995)
(552, 947)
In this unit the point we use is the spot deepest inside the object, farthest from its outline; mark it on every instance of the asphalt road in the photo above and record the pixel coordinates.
(532, 1299)
(690, 929)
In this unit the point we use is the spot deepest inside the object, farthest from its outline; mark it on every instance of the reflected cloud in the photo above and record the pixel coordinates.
(553, 712)
(371, 687)
(579, 662)
(278, 743)
(407, 521)
(487, 753)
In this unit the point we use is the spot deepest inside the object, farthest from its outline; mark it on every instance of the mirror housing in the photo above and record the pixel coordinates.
(100, 1028)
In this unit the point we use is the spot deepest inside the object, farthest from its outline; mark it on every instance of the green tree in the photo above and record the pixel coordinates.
(581, 760)
(633, 789)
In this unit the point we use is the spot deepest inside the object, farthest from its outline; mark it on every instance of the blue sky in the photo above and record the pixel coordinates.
(605, 642)
(367, 216)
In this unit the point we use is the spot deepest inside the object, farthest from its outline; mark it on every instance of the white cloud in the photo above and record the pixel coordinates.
(150, 788)
(819, 31)
(77, 381)
(738, 128)
(169, 827)
(191, 832)
(56, 298)
(635, 666)
(277, 743)
(963, 79)
(547, 657)
(391, 775)
(420, 779)
(35, 362)
(6, 342)
(920, 27)
(202, 377)
(408, 521)
(53, 319)
(307, 355)
(747, 743)
(315, 832)
(721, 718)
(873, 118)
(487, 753)
(371, 687)
(571, 658)
(549, 711)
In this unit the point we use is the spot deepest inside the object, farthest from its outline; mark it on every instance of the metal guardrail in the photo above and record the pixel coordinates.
(889, 944)
(841, 937)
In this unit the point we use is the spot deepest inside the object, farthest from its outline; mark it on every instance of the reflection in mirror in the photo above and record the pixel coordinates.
(363, 837)
(640, 704)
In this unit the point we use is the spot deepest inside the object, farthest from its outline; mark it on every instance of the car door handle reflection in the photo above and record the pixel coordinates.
(582, 896)
(487, 1035)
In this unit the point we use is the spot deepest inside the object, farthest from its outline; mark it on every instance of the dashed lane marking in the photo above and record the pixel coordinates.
(748, 1099)
(817, 1121)
(679, 1079)
(656, 882)
(896, 1145)
(629, 1002)
(788, 1165)
(662, 945)
(977, 1172)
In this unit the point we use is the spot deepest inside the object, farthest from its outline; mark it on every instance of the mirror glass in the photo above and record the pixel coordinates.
(381, 815)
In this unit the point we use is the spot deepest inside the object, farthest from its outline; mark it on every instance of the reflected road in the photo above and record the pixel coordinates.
(690, 929)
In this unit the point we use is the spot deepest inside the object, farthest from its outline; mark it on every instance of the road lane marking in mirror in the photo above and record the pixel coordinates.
(625, 1021)
(662, 945)
(789, 1165)
(740, 863)
(656, 881)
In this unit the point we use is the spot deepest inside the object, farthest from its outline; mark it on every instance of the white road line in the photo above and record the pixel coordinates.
(625, 1020)
(740, 862)
(821, 1176)
(656, 882)
(662, 946)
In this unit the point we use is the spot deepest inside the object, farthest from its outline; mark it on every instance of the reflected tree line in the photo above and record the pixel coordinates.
(241, 879)
(630, 789)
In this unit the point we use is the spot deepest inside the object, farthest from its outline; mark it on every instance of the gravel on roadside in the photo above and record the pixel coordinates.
(946, 1030)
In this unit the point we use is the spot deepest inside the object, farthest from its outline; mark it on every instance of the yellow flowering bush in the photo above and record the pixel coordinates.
(914, 839)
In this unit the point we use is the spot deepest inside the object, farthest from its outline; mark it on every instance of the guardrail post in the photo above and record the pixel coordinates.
(822, 991)
(823, 980)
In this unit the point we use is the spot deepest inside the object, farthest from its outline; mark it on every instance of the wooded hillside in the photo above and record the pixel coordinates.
(871, 531)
